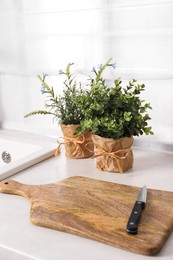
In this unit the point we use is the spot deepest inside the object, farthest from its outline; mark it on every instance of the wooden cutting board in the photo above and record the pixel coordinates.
(99, 210)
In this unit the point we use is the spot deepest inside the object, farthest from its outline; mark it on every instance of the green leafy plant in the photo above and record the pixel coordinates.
(114, 112)
(64, 108)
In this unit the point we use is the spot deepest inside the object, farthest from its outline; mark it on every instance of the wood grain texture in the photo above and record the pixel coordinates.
(99, 210)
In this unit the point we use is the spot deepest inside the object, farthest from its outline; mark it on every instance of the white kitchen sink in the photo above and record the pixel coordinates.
(20, 150)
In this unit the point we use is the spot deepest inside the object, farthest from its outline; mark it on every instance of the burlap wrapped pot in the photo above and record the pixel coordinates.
(113, 155)
(76, 146)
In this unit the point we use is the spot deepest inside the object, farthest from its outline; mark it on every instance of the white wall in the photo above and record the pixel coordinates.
(43, 36)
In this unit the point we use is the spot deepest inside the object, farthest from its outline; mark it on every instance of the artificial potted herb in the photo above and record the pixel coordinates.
(115, 114)
(64, 108)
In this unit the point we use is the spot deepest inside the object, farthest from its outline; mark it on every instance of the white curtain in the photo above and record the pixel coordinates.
(44, 35)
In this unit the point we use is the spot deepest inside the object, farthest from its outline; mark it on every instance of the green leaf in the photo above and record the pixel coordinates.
(127, 116)
(36, 112)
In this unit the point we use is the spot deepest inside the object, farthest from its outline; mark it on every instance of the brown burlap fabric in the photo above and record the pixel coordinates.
(113, 155)
(76, 146)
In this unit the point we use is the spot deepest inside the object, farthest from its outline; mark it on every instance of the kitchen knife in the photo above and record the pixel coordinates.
(132, 225)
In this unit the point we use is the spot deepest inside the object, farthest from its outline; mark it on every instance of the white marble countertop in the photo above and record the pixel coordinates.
(20, 240)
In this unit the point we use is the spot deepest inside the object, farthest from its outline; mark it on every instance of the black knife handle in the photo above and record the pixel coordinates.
(132, 225)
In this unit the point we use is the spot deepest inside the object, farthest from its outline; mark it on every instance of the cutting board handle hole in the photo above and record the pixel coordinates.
(6, 182)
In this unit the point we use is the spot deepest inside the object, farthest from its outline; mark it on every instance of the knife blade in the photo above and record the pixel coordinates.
(132, 224)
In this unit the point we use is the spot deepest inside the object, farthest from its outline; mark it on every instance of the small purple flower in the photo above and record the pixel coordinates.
(44, 75)
(43, 90)
(114, 66)
(61, 72)
(99, 66)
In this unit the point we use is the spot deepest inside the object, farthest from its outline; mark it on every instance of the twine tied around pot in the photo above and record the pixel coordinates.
(67, 140)
(117, 155)
(113, 155)
(76, 147)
